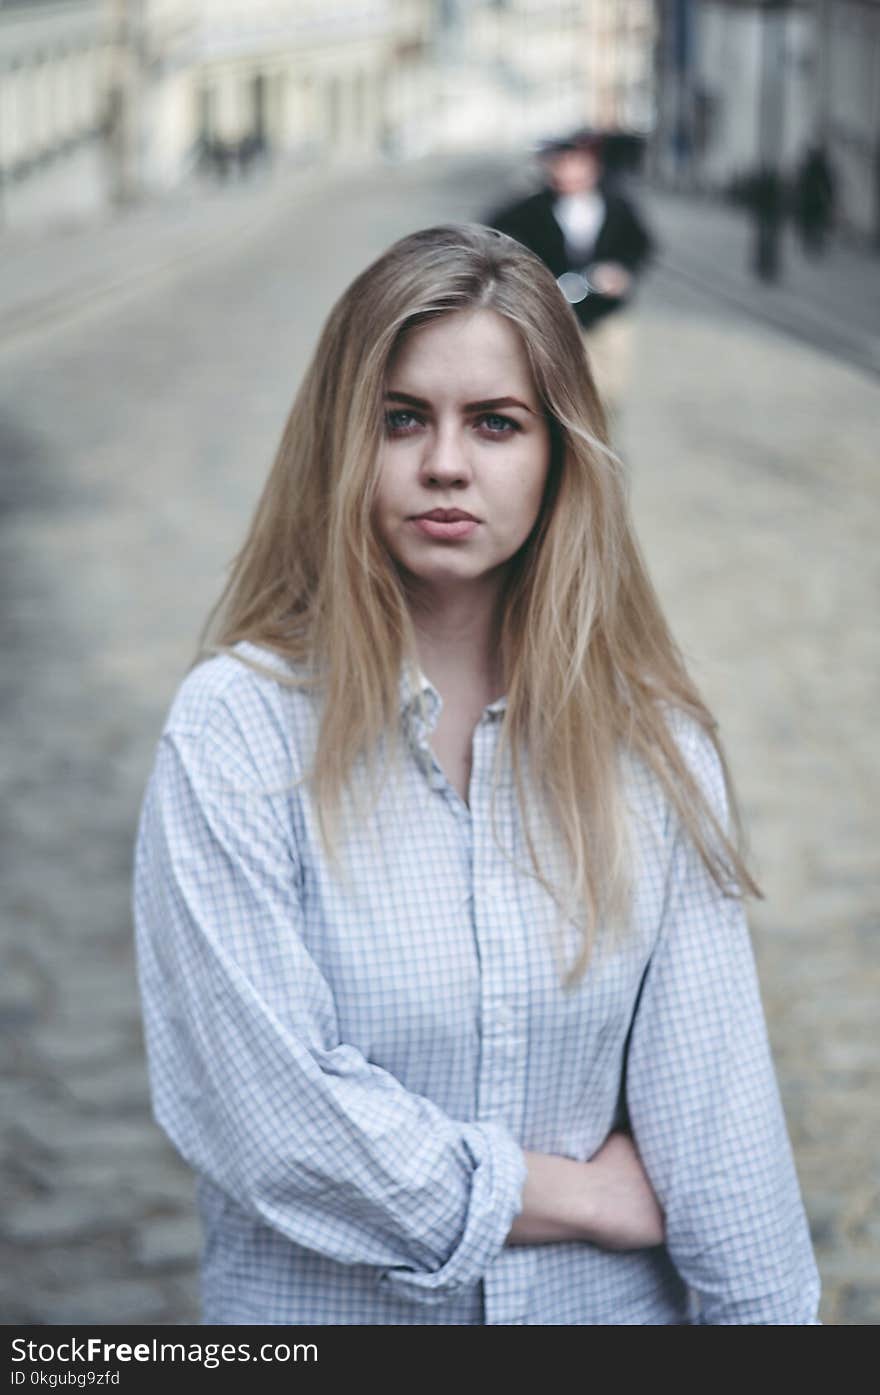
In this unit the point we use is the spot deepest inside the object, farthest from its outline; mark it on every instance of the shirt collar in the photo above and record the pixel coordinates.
(418, 692)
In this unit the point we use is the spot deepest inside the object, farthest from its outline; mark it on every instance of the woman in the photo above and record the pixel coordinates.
(448, 992)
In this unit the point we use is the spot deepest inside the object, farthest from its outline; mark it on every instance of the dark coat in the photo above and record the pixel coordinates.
(622, 238)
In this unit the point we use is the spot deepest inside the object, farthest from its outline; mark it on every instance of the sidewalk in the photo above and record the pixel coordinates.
(61, 273)
(833, 303)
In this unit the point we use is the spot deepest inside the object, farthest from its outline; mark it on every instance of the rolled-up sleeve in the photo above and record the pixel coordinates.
(249, 1077)
(704, 1103)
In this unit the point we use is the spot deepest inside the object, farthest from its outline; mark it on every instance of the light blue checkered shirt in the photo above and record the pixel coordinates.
(353, 1063)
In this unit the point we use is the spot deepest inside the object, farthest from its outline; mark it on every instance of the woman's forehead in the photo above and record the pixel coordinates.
(474, 349)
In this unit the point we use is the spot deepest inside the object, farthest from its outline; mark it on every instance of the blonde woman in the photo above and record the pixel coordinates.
(448, 990)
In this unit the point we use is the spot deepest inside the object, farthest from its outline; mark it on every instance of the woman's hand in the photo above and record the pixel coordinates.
(607, 1201)
(624, 1213)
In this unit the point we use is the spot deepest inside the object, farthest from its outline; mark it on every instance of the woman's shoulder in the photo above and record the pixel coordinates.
(699, 750)
(245, 695)
(698, 753)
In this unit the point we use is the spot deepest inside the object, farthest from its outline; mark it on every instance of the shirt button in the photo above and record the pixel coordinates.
(504, 1015)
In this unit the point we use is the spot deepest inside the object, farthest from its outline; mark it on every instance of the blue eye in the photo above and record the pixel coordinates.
(400, 421)
(497, 425)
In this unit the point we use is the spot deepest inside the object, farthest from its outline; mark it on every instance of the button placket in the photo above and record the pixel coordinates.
(510, 1279)
(502, 1037)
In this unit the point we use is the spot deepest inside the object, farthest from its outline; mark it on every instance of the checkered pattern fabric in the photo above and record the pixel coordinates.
(353, 1057)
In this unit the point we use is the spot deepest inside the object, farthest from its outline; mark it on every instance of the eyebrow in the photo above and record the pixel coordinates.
(489, 404)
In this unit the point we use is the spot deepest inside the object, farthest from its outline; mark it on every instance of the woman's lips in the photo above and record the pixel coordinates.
(437, 528)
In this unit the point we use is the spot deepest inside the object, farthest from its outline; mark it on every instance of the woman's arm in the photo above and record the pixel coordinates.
(704, 1104)
(607, 1201)
(249, 1076)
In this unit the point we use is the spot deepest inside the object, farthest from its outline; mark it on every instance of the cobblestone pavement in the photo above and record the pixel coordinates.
(135, 441)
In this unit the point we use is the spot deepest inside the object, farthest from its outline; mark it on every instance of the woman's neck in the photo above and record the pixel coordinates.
(457, 636)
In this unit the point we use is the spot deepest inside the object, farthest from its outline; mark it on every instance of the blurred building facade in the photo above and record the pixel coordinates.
(511, 71)
(619, 64)
(749, 83)
(108, 100)
(848, 105)
(111, 99)
(56, 62)
(298, 80)
(155, 89)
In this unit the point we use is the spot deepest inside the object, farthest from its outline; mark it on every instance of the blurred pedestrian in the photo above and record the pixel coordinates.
(595, 242)
(814, 195)
(449, 996)
(763, 196)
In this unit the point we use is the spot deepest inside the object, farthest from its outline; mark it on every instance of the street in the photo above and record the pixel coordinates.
(135, 434)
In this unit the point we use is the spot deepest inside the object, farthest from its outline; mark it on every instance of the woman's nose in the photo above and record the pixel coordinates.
(446, 459)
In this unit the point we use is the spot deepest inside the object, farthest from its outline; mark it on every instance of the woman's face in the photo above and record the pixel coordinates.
(466, 451)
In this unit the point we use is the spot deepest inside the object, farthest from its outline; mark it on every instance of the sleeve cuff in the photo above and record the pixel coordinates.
(495, 1200)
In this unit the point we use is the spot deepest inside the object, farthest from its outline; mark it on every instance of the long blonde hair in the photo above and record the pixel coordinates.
(590, 666)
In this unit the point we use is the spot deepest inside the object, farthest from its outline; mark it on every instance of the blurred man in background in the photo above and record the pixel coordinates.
(595, 243)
